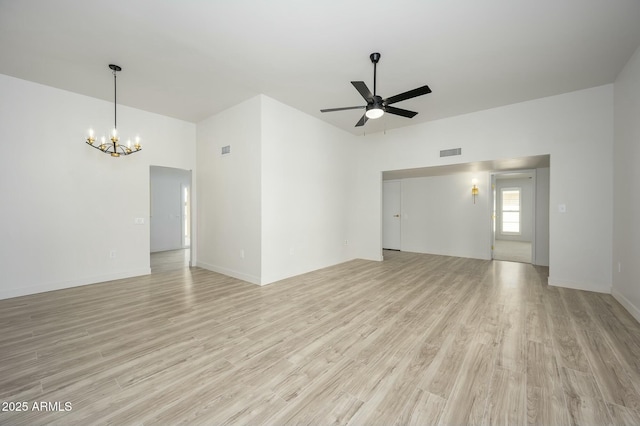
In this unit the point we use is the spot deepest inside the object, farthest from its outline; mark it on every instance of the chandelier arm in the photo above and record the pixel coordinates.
(96, 147)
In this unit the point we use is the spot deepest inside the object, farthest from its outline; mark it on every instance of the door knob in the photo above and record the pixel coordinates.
(396, 215)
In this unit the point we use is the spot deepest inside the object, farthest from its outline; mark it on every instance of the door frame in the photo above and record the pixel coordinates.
(191, 210)
(186, 215)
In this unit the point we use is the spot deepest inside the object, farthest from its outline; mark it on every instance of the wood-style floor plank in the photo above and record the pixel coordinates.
(415, 339)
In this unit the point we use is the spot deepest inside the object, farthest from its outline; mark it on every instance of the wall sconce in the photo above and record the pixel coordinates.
(474, 190)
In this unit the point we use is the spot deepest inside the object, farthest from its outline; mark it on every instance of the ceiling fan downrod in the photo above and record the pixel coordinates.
(375, 57)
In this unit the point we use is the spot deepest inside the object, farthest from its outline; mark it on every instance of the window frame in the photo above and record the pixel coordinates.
(519, 211)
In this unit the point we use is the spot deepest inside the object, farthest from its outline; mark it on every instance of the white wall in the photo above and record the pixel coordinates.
(282, 198)
(307, 183)
(576, 129)
(439, 216)
(229, 199)
(626, 224)
(526, 208)
(66, 206)
(166, 221)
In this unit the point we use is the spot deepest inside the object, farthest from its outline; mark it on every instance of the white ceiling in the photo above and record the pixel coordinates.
(191, 59)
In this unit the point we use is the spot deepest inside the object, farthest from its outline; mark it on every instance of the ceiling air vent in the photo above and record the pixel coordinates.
(450, 152)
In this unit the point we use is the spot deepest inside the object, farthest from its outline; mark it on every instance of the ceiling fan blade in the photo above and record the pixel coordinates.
(364, 90)
(407, 95)
(400, 111)
(362, 121)
(342, 109)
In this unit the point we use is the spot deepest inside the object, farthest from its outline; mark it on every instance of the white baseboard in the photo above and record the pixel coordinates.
(229, 272)
(60, 285)
(582, 285)
(633, 309)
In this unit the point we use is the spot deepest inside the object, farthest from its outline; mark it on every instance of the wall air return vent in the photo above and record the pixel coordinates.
(450, 152)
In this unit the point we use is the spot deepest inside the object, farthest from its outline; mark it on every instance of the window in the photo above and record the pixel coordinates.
(510, 210)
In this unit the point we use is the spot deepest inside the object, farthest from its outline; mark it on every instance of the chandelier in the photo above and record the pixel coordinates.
(113, 146)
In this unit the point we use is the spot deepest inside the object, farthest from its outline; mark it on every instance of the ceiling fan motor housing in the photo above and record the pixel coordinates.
(376, 102)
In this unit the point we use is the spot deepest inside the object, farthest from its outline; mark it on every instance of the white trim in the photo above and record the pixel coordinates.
(582, 285)
(626, 303)
(61, 285)
(534, 214)
(229, 272)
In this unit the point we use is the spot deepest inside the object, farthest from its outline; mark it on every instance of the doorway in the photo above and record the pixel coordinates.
(170, 218)
(483, 240)
(514, 216)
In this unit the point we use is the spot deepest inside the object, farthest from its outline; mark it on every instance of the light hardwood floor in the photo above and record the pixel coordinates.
(165, 261)
(416, 339)
(512, 251)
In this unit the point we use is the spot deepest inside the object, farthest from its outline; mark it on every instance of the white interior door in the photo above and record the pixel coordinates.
(391, 215)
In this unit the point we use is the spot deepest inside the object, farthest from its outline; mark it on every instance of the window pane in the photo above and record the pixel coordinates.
(511, 217)
(511, 210)
(511, 227)
(511, 200)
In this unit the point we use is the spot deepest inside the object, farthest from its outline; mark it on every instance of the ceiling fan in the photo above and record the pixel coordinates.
(376, 106)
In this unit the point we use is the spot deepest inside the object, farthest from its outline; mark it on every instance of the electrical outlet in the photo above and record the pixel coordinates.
(346, 242)
(112, 254)
(242, 254)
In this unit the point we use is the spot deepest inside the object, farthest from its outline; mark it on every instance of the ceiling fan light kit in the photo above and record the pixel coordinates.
(376, 106)
(375, 109)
